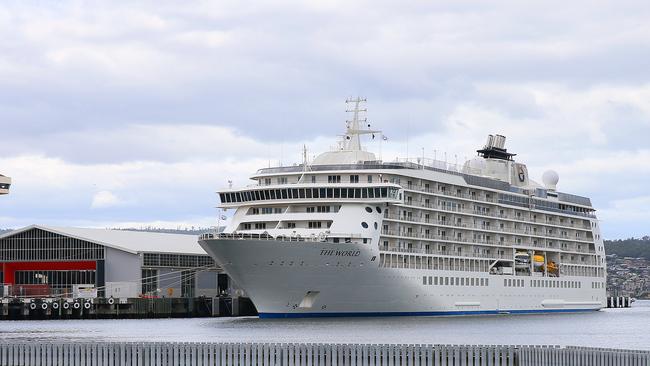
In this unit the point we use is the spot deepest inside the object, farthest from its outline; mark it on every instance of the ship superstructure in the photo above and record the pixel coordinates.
(5, 183)
(351, 235)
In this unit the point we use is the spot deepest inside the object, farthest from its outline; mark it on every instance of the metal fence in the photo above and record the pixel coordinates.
(198, 354)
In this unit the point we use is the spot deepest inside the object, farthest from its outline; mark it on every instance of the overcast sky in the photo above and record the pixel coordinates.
(134, 113)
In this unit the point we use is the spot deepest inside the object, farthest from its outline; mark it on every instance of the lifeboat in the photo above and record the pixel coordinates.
(553, 268)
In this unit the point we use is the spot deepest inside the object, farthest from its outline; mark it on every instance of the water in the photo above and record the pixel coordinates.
(615, 328)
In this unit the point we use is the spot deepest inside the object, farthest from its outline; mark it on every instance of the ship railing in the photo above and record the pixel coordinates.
(506, 230)
(321, 237)
(444, 252)
(263, 236)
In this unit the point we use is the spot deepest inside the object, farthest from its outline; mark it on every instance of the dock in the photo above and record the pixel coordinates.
(614, 302)
(123, 308)
(203, 354)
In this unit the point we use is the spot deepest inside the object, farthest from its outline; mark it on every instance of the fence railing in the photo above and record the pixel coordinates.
(200, 354)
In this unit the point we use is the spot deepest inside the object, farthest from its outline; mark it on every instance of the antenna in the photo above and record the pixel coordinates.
(351, 139)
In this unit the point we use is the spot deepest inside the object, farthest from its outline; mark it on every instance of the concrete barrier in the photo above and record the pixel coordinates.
(203, 354)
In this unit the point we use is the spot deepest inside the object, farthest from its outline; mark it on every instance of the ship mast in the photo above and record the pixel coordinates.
(351, 140)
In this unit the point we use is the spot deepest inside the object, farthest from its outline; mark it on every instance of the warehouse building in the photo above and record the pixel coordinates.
(54, 261)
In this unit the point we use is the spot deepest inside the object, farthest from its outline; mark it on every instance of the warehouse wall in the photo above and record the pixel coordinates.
(169, 282)
(206, 284)
(121, 266)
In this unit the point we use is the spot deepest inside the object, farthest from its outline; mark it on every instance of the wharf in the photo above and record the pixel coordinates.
(200, 354)
(619, 302)
(117, 308)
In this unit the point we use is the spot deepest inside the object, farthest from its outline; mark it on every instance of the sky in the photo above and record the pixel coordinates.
(132, 114)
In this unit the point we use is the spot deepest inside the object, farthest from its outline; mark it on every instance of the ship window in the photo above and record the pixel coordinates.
(323, 193)
(284, 193)
(424, 280)
(357, 193)
(376, 225)
(311, 209)
(295, 192)
(344, 193)
(337, 192)
(364, 225)
(302, 193)
(377, 192)
(378, 209)
(368, 210)
(308, 193)
(364, 193)
(354, 179)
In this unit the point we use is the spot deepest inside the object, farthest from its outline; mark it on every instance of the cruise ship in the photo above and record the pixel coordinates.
(347, 234)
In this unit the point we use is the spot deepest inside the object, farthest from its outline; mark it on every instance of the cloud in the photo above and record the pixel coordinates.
(159, 103)
(104, 199)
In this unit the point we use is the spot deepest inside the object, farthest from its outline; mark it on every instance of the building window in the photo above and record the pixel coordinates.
(149, 281)
(188, 283)
(354, 179)
(333, 179)
(323, 208)
(314, 224)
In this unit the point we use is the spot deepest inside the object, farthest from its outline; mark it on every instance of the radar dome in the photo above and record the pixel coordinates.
(475, 166)
(550, 179)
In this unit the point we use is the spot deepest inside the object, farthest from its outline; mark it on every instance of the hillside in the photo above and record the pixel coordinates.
(631, 247)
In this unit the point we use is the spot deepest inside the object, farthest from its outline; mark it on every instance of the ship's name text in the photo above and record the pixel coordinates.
(340, 253)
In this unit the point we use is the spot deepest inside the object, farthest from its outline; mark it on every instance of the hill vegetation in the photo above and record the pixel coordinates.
(632, 247)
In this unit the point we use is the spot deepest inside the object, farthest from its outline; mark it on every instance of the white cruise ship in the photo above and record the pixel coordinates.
(351, 235)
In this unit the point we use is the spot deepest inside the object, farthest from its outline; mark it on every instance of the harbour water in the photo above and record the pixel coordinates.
(615, 328)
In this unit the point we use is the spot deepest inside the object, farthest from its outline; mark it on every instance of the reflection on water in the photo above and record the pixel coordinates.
(618, 328)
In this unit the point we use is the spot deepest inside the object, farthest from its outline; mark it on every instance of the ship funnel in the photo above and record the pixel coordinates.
(490, 141)
(499, 141)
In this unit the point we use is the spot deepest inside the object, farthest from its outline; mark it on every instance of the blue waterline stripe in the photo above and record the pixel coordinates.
(418, 313)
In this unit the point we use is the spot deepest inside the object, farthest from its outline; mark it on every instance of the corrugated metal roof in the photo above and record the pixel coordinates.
(129, 241)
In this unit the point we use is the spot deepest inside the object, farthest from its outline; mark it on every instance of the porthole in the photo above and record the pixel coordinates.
(378, 209)
(376, 226)
(364, 225)
(368, 210)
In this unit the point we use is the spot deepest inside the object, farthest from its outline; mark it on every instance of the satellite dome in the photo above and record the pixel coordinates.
(550, 179)
(475, 166)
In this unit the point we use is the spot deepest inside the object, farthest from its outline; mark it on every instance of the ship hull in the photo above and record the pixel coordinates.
(287, 279)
